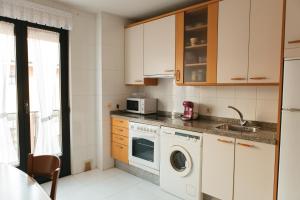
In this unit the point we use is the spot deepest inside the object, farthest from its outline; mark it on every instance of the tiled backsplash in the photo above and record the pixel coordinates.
(256, 103)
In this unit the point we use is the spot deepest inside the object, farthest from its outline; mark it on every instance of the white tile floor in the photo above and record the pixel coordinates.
(112, 184)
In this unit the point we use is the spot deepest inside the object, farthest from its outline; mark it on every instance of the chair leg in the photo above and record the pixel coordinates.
(54, 184)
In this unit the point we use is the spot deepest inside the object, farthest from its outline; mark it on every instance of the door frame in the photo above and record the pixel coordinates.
(23, 91)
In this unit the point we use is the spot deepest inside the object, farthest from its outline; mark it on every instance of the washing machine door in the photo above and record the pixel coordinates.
(180, 161)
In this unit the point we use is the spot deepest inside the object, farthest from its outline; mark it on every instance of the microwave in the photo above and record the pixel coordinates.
(141, 105)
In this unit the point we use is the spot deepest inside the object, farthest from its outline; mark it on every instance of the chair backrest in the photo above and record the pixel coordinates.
(45, 166)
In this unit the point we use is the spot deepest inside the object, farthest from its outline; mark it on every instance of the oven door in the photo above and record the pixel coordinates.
(144, 151)
(133, 105)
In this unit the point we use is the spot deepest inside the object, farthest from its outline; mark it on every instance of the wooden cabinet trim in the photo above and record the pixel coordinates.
(192, 7)
(119, 131)
(119, 122)
(212, 42)
(120, 152)
(179, 47)
(120, 139)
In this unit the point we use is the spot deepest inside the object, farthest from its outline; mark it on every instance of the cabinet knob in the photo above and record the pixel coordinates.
(258, 78)
(238, 79)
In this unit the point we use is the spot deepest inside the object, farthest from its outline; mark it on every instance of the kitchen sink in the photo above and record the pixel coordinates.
(232, 127)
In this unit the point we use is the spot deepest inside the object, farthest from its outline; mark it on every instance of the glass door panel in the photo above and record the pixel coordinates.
(195, 45)
(44, 92)
(9, 137)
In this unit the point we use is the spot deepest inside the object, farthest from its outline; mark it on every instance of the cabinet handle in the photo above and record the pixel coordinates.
(246, 145)
(225, 141)
(238, 79)
(169, 70)
(258, 78)
(292, 109)
(294, 42)
(138, 81)
(177, 75)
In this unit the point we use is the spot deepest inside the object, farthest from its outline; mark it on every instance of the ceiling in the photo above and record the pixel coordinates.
(131, 9)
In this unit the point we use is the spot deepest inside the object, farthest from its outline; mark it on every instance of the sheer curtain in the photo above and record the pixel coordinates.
(43, 53)
(8, 153)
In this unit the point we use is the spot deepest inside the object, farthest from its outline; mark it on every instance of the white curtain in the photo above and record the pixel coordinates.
(8, 153)
(43, 52)
(35, 13)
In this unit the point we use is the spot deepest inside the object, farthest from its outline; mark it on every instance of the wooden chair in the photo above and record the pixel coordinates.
(45, 166)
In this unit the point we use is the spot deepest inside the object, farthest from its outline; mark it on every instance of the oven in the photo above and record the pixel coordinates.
(144, 146)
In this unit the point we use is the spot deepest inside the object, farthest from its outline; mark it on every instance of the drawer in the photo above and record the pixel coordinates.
(119, 131)
(120, 139)
(119, 152)
(120, 122)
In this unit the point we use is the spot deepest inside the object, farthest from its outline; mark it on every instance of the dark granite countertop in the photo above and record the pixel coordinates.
(266, 133)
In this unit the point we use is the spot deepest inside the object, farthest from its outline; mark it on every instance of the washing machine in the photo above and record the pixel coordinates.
(180, 163)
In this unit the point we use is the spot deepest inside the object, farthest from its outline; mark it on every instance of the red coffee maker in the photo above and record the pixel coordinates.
(188, 110)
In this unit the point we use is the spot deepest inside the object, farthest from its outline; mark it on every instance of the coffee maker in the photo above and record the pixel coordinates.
(188, 110)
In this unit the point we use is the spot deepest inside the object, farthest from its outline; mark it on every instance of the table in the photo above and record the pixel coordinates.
(16, 185)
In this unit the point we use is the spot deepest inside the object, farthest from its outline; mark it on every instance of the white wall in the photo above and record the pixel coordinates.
(256, 103)
(111, 88)
(83, 82)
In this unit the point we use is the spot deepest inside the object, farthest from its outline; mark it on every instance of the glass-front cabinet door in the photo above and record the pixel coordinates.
(196, 45)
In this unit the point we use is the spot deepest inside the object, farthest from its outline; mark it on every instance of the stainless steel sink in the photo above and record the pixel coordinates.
(232, 127)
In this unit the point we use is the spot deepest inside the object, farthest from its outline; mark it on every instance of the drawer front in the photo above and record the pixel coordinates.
(120, 152)
(120, 131)
(120, 122)
(120, 139)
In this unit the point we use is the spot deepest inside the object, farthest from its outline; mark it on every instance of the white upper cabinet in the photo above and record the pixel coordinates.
(265, 41)
(218, 166)
(254, 170)
(233, 41)
(292, 29)
(249, 41)
(134, 57)
(159, 47)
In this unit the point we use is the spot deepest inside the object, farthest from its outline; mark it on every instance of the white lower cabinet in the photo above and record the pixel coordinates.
(254, 170)
(237, 169)
(218, 166)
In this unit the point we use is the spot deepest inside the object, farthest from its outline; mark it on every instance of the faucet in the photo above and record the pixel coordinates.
(242, 121)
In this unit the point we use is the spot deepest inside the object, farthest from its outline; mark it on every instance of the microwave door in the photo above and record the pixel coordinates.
(133, 106)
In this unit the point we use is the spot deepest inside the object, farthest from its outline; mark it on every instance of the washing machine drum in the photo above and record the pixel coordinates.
(180, 161)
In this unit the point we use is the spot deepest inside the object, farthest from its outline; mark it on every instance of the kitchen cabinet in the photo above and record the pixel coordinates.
(233, 41)
(196, 45)
(119, 138)
(237, 169)
(218, 166)
(292, 30)
(134, 57)
(265, 41)
(250, 35)
(254, 170)
(159, 47)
